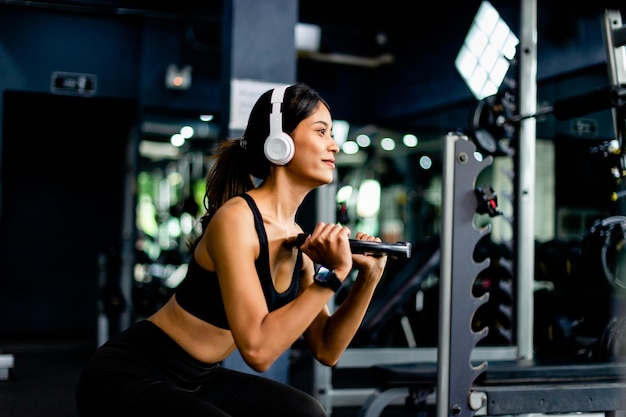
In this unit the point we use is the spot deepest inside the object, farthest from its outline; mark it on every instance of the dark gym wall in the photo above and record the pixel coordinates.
(62, 157)
(60, 176)
(63, 171)
(35, 43)
(128, 55)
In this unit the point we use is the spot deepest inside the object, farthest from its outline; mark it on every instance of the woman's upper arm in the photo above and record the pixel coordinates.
(233, 245)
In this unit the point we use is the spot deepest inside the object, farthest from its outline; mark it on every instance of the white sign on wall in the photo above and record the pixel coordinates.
(243, 95)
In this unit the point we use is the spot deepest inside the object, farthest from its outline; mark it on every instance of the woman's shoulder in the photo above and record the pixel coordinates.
(232, 222)
(234, 211)
(234, 203)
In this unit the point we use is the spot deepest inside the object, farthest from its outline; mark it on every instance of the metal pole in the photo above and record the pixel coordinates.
(525, 177)
(445, 280)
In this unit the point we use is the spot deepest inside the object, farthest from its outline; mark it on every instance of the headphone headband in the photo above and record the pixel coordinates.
(276, 117)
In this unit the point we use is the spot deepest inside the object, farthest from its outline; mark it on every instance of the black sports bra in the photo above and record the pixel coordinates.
(199, 293)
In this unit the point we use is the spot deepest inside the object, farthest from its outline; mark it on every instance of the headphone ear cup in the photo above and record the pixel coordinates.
(279, 149)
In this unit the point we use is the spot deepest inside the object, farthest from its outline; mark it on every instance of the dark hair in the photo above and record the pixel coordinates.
(234, 165)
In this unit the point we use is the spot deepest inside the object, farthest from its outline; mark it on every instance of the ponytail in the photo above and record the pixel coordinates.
(228, 177)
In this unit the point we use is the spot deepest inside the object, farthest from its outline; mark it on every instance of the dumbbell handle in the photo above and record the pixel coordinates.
(399, 250)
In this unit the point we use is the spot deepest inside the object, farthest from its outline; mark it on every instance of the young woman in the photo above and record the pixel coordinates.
(246, 286)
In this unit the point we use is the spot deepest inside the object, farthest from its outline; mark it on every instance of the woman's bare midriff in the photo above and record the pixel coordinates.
(200, 339)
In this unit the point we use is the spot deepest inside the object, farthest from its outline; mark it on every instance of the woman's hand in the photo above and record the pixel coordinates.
(329, 245)
(373, 265)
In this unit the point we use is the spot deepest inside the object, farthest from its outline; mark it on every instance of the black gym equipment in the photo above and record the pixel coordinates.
(604, 250)
(395, 299)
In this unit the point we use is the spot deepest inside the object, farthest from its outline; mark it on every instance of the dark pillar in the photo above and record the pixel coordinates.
(259, 48)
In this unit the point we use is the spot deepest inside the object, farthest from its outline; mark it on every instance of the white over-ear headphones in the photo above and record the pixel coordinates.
(278, 147)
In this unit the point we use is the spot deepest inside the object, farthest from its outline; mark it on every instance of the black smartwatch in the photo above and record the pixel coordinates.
(327, 278)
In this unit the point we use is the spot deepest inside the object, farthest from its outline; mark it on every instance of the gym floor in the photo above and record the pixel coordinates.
(43, 378)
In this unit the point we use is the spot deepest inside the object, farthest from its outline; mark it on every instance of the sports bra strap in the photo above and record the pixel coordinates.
(264, 255)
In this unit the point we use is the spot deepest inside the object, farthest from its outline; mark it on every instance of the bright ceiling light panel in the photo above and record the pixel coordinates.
(487, 51)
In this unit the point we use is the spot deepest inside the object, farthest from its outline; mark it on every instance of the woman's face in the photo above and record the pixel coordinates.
(315, 148)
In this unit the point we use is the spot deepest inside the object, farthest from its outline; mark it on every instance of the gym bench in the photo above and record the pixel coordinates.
(510, 387)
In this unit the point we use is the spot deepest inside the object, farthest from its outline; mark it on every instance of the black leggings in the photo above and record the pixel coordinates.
(143, 372)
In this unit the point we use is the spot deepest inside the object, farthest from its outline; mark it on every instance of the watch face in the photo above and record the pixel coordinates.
(326, 278)
(323, 274)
